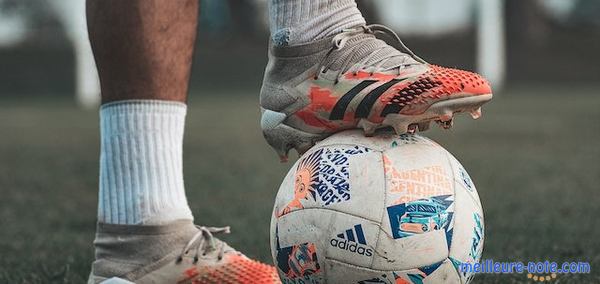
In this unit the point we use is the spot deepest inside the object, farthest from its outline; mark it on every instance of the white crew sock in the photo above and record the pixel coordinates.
(141, 175)
(295, 22)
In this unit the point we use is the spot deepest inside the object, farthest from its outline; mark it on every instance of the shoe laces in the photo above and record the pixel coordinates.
(204, 242)
(346, 43)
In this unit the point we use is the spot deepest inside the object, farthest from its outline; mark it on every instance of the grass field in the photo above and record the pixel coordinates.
(534, 156)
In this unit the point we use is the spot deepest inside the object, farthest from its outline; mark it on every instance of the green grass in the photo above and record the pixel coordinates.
(534, 156)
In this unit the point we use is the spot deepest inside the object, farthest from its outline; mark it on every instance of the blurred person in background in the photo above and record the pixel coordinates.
(327, 72)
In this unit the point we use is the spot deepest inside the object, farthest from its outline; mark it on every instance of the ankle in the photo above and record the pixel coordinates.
(295, 22)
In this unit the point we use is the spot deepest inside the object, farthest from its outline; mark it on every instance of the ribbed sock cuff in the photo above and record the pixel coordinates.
(294, 22)
(141, 175)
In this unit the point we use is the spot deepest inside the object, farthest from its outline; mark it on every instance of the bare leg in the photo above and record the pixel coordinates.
(143, 48)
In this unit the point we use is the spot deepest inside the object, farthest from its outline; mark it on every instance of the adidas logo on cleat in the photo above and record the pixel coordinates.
(352, 240)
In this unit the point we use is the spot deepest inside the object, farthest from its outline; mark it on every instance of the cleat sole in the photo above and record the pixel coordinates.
(443, 112)
(283, 137)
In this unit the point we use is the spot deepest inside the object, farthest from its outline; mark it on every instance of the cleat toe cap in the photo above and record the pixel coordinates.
(460, 81)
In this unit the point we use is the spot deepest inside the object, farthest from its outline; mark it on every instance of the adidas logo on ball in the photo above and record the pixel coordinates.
(352, 240)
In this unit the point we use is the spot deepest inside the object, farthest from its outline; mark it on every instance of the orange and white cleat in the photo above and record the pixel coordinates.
(172, 254)
(355, 80)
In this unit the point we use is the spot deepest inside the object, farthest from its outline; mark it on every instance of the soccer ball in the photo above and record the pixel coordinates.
(383, 209)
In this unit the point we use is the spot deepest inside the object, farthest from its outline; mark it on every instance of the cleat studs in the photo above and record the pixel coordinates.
(445, 124)
(476, 113)
(446, 116)
(424, 126)
(368, 127)
(283, 158)
(283, 153)
(412, 128)
(400, 128)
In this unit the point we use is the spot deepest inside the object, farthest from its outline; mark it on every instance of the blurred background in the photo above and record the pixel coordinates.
(515, 42)
(533, 155)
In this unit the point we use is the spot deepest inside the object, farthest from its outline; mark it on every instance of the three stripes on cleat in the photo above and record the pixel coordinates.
(399, 101)
(366, 104)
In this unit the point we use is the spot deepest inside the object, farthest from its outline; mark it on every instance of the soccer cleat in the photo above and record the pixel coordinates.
(175, 253)
(355, 80)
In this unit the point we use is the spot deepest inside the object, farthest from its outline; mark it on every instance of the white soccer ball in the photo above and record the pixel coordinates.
(383, 209)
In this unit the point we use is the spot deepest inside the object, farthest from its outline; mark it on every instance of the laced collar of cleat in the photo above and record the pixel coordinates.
(342, 43)
(204, 241)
